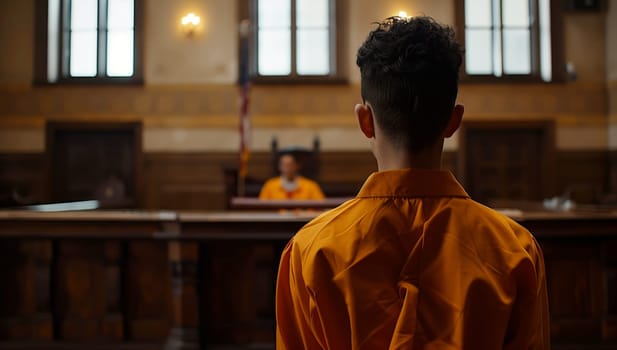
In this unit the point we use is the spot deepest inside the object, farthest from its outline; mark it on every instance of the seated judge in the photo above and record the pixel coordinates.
(290, 185)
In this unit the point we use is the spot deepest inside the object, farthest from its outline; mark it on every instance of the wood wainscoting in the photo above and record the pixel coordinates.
(23, 177)
(189, 280)
(512, 160)
(195, 181)
(97, 160)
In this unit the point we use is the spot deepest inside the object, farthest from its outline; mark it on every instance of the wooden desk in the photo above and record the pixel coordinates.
(83, 277)
(252, 203)
(124, 279)
(237, 254)
(85, 224)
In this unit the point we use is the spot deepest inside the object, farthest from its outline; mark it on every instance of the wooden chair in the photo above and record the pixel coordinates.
(306, 157)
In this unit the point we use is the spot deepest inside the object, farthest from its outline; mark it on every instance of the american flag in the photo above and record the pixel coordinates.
(245, 121)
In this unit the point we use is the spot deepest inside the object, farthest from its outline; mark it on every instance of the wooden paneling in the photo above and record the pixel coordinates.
(88, 160)
(507, 160)
(26, 311)
(612, 177)
(23, 175)
(186, 181)
(106, 283)
(609, 326)
(183, 262)
(580, 265)
(342, 174)
(199, 278)
(147, 292)
(81, 292)
(196, 180)
(574, 277)
(582, 174)
(99, 284)
(242, 306)
(304, 106)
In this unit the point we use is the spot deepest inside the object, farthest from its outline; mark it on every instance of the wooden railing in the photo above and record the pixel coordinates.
(152, 280)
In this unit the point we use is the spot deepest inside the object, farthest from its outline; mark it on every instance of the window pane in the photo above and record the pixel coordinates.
(274, 13)
(120, 53)
(53, 40)
(478, 51)
(497, 67)
(84, 14)
(83, 53)
(516, 51)
(546, 69)
(516, 13)
(496, 11)
(313, 52)
(120, 14)
(274, 57)
(478, 13)
(312, 13)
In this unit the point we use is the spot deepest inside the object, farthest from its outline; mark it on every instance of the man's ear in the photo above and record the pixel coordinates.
(364, 113)
(455, 121)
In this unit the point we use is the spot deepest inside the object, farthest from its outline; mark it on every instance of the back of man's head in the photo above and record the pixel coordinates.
(409, 69)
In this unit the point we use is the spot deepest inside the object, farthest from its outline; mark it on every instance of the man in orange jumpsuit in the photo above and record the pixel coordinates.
(412, 262)
(290, 185)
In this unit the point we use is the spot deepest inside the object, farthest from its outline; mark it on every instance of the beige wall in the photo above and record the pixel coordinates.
(611, 77)
(611, 41)
(211, 56)
(189, 103)
(208, 57)
(363, 13)
(611, 71)
(585, 44)
(16, 41)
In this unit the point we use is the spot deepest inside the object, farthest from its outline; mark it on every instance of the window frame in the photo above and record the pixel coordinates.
(557, 48)
(247, 9)
(42, 54)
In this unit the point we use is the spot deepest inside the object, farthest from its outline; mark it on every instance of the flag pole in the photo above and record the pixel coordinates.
(244, 123)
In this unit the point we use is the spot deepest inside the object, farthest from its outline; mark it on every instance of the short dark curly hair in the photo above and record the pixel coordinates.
(409, 69)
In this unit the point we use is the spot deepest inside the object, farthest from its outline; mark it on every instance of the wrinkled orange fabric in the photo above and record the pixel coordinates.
(412, 263)
(307, 189)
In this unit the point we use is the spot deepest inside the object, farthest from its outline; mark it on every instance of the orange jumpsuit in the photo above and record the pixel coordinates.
(412, 263)
(307, 189)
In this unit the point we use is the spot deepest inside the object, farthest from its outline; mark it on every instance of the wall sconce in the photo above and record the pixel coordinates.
(190, 24)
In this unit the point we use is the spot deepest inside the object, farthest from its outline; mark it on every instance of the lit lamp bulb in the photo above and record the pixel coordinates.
(402, 14)
(190, 23)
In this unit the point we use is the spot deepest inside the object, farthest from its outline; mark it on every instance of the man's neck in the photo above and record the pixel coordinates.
(390, 158)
